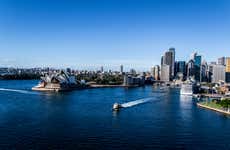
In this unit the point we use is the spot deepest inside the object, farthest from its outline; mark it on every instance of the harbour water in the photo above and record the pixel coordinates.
(84, 119)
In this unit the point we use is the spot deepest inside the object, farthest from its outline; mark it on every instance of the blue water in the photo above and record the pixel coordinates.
(83, 119)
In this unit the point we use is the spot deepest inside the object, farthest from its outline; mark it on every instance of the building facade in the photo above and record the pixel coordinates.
(165, 73)
(218, 73)
(221, 61)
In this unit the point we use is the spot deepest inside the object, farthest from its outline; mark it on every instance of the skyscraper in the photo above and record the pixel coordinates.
(173, 51)
(121, 69)
(218, 73)
(165, 73)
(228, 64)
(197, 66)
(190, 69)
(156, 72)
(228, 69)
(221, 61)
(102, 69)
(180, 67)
(169, 59)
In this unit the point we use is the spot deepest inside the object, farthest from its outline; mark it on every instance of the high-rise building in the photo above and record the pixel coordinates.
(204, 72)
(152, 72)
(156, 72)
(162, 60)
(180, 67)
(210, 71)
(228, 69)
(221, 61)
(218, 73)
(121, 69)
(190, 69)
(197, 66)
(102, 69)
(228, 64)
(165, 73)
(173, 51)
(169, 59)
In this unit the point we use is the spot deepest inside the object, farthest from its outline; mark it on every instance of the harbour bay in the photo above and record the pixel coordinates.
(84, 119)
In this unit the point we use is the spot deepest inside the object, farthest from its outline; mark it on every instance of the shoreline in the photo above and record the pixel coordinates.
(213, 109)
(109, 86)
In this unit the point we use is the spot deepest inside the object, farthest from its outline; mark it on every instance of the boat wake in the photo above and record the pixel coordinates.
(136, 102)
(16, 90)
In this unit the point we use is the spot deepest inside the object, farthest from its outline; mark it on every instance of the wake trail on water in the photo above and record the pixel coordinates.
(137, 102)
(18, 91)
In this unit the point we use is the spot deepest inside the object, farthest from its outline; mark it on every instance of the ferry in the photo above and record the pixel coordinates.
(186, 89)
(117, 106)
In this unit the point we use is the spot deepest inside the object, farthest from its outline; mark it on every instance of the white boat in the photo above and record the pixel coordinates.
(186, 89)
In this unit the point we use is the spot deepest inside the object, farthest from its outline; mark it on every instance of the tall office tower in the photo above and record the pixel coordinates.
(190, 69)
(121, 69)
(228, 69)
(152, 72)
(165, 73)
(169, 59)
(197, 65)
(156, 72)
(210, 72)
(218, 73)
(221, 61)
(102, 69)
(180, 67)
(162, 60)
(204, 72)
(173, 51)
(228, 64)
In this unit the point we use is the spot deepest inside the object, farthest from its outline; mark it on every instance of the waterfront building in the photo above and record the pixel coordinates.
(169, 59)
(218, 73)
(57, 82)
(130, 80)
(221, 61)
(165, 73)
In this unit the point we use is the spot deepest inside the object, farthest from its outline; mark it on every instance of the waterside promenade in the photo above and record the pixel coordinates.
(204, 105)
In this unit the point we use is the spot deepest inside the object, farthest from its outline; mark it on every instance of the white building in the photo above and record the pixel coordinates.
(218, 73)
(165, 73)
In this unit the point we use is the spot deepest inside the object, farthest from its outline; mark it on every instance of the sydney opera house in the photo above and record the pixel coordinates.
(58, 82)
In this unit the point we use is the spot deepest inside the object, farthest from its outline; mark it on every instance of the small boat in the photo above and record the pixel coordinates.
(116, 106)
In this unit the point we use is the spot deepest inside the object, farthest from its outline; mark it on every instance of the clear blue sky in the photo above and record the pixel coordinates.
(86, 33)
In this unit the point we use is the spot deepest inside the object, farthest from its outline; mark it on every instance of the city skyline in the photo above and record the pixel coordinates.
(110, 33)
